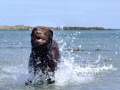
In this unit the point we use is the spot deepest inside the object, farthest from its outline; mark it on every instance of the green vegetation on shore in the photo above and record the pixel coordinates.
(23, 27)
(16, 27)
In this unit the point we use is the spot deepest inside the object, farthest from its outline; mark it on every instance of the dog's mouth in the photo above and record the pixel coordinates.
(41, 41)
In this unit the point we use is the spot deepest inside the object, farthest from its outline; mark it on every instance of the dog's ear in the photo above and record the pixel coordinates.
(51, 34)
(32, 36)
(33, 31)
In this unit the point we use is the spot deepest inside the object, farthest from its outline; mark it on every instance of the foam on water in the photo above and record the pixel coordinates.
(70, 72)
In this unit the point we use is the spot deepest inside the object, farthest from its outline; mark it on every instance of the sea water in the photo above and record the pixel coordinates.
(89, 60)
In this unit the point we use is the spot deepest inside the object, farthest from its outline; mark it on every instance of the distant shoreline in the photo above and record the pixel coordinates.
(66, 28)
(16, 27)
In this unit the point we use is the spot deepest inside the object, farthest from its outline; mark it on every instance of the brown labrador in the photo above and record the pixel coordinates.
(44, 51)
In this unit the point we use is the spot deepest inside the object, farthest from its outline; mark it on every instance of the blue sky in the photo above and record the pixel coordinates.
(104, 13)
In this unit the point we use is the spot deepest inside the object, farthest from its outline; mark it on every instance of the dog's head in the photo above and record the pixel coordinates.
(41, 37)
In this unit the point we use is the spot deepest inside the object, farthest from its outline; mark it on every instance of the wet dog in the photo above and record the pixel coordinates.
(44, 52)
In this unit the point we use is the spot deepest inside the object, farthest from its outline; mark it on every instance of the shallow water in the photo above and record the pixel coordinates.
(94, 67)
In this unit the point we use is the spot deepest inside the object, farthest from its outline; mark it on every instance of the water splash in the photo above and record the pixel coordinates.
(71, 72)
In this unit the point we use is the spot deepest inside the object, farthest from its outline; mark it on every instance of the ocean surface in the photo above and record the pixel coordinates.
(90, 60)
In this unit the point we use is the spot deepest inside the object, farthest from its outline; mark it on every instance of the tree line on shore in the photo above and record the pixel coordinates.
(23, 27)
